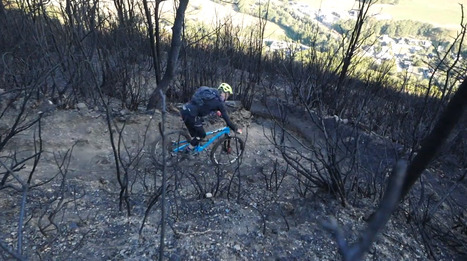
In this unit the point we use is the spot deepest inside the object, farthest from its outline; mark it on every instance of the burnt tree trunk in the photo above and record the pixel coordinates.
(173, 56)
(433, 142)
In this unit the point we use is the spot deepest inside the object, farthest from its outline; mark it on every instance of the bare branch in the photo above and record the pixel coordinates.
(433, 142)
(378, 220)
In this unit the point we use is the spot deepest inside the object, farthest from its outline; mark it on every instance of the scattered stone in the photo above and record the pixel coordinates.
(263, 226)
(103, 181)
(235, 105)
(245, 114)
(122, 118)
(81, 106)
(288, 208)
(47, 107)
(124, 112)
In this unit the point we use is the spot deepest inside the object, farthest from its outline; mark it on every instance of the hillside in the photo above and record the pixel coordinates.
(77, 217)
(211, 13)
(78, 179)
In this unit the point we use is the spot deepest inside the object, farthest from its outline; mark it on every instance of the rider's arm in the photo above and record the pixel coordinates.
(225, 116)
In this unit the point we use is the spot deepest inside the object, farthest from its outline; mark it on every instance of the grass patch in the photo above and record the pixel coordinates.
(442, 13)
(445, 13)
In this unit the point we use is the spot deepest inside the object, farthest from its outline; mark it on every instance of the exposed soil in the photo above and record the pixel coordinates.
(256, 212)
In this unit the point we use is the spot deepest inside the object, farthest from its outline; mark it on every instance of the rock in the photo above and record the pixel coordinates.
(47, 107)
(81, 106)
(288, 208)
(73, 226)
(124, 112)
(123, 118)
(245, 114)
(103, 181)
(234, 105)
(208, 195)
(173, 108)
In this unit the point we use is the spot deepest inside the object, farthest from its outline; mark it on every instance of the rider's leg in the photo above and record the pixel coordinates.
(189, 122)
(195, 128)
(198, 132)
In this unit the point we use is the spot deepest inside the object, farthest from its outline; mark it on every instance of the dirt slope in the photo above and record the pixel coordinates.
(256, 213)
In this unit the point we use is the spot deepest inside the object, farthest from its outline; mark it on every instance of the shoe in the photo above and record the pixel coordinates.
(189, 152)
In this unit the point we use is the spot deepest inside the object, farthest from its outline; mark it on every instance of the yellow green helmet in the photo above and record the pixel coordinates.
(225, 87)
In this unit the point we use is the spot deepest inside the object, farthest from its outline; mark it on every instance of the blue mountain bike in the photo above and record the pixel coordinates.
(226, 150)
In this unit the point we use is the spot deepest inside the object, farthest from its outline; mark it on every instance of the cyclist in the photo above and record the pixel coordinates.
(215, 103)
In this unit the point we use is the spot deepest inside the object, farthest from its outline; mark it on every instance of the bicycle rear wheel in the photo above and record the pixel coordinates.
(227, 150)
(173, 141)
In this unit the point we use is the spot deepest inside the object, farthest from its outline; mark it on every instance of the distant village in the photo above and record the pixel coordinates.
(403, 50)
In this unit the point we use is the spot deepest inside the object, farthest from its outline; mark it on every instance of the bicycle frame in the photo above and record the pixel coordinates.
(219, 132)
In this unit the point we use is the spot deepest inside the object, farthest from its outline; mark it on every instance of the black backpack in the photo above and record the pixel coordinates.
(204, 94)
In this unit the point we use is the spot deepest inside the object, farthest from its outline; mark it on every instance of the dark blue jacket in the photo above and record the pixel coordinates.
(208, 107)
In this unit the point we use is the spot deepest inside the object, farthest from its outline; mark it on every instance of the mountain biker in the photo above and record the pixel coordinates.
(193, 111)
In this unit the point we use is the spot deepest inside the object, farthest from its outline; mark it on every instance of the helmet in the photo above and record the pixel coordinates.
(225, 87)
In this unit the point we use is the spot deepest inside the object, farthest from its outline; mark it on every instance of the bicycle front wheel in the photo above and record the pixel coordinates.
(174, 142)
(227, 150)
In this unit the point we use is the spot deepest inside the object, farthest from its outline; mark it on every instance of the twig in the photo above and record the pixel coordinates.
(164, 177)
(199, 232)
(10, 252)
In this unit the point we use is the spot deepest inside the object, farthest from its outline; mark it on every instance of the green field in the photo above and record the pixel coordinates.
(211, 13)
(442, 13)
